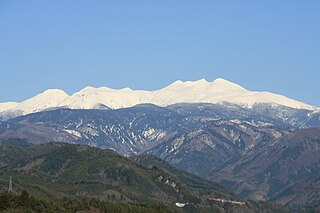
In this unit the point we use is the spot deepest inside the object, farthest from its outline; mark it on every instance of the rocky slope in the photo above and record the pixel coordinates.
(136, 129)
(280, 166)
(287, 171)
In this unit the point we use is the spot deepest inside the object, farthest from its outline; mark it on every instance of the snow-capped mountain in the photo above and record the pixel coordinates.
(246, 140)
(201, 91)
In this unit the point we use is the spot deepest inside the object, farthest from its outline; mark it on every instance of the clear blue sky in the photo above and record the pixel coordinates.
(261, 45)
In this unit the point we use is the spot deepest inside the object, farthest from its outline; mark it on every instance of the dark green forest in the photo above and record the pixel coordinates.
(59, 177)
(23, 202)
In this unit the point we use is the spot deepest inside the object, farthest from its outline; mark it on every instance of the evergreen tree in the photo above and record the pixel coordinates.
(24, 198)
(4, 201)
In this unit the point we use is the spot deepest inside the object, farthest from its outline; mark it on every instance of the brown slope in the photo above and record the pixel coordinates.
(275, 171)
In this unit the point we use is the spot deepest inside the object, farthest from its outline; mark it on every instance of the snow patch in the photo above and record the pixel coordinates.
(73, 132)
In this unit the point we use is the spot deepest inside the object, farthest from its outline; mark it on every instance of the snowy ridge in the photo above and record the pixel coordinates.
(201, 91)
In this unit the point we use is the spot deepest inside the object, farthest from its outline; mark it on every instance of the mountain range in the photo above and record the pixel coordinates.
(201, 91)
(260, 145)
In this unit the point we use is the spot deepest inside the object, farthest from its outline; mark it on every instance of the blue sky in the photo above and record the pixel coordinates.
(262, 45)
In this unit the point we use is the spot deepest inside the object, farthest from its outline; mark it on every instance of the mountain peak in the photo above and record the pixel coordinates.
(218, 84)
(126, 89)
(50, 92)
(226, 85)
(87, 89)
(221, 80)
(180, 83)
(200, 91)
(177, 82)
(201, 81)
(50, 98)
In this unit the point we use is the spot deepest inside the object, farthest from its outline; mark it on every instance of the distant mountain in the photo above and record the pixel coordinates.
(213, 146)
(210, 140)
(127, 131)
(280, 166)
(136, 129)
(219, 91)
(286, 171)
(57, 170)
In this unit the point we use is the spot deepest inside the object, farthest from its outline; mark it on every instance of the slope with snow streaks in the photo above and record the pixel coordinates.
(201, 91)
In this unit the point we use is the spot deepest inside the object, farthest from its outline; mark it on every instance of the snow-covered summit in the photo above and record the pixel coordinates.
(50, 98)
(201, 91)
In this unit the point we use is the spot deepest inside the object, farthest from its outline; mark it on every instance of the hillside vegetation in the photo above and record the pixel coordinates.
(57, 171)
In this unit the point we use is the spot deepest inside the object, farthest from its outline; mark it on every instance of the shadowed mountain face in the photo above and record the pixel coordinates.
(287, 172)
(248, 150)
(284, 169)
(215, 145)
(136, 129)
(125, 131)
(56, 170)
(59, 169)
